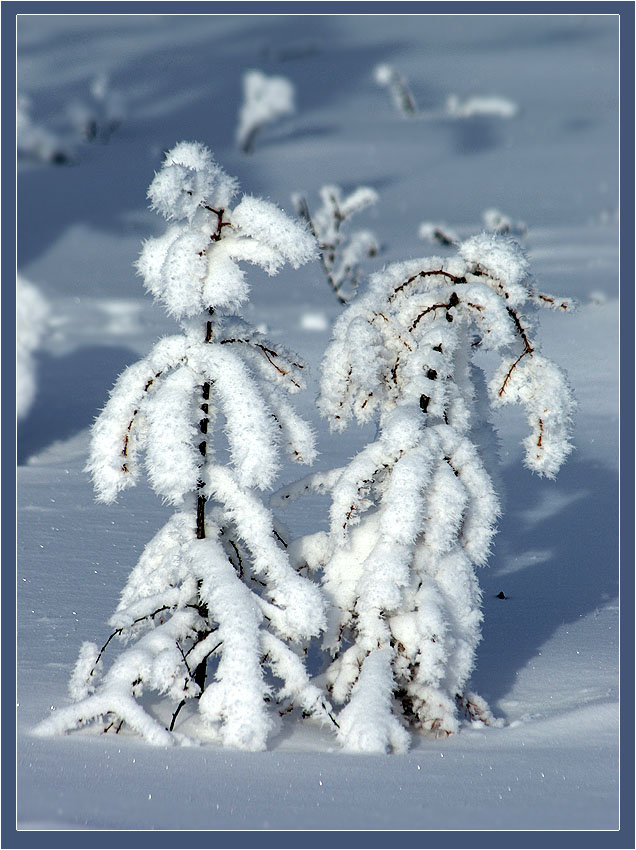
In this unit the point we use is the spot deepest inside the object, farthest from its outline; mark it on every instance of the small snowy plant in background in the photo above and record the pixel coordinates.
(265, 100)
(491, 106)
(31, 328)
(414, 512)
(497, 222)
(340, 252)
(214, 600)
(438, 233)
(389, 78)
(493, 220)
(98, 118)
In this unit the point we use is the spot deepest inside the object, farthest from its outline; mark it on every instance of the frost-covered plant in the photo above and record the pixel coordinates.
(340, 252)
(97, 119)
(438, 233)
(497, 222)
(265, 100)
(31, 310)
(388, 77)
(213, 600)
(414, 512)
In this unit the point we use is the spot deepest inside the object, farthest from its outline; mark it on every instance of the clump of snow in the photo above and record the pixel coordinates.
(314, 321)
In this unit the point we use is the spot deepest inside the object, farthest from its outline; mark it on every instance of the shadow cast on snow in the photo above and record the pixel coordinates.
(564, 537)
(71, 392)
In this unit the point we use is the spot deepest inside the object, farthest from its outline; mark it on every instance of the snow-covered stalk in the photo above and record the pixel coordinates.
(214, 600)
(388, 77)
(265, 100)
(340, 253)
(98, 119)
(414, 512)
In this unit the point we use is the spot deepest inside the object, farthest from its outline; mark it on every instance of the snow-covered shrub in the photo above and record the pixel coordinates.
(34, 141)
(414, 512)
(31, 318)
(388, 77)
(265, 100)
(340, 252)
(214, 599)
(99, 117)
(497, 222)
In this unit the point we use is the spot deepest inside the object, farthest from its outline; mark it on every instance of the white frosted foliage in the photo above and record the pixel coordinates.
(214, 601)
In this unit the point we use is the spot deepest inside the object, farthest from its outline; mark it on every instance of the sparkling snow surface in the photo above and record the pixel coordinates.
(548, 662)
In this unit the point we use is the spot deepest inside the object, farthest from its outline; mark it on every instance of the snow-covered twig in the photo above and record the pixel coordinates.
(340, 253)
(388, 77)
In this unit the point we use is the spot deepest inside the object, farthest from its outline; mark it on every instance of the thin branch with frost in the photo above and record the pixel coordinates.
(388, 77)
(341, 253)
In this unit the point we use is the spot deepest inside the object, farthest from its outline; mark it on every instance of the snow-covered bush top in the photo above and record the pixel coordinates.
(193, 267)
(407, 323)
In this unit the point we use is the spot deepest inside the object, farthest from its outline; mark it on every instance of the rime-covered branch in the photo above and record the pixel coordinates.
(340, 253)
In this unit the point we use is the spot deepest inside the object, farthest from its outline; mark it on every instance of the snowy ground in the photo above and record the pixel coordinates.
(548, 662)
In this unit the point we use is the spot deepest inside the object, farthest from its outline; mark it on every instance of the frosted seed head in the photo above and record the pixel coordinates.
(383, 74)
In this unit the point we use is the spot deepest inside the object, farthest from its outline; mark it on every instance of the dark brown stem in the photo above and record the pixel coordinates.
(119, 631)
(203, 424)
(431, 273)
(527, 348)
(175, 715)
(303, 210)
(124, 450)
